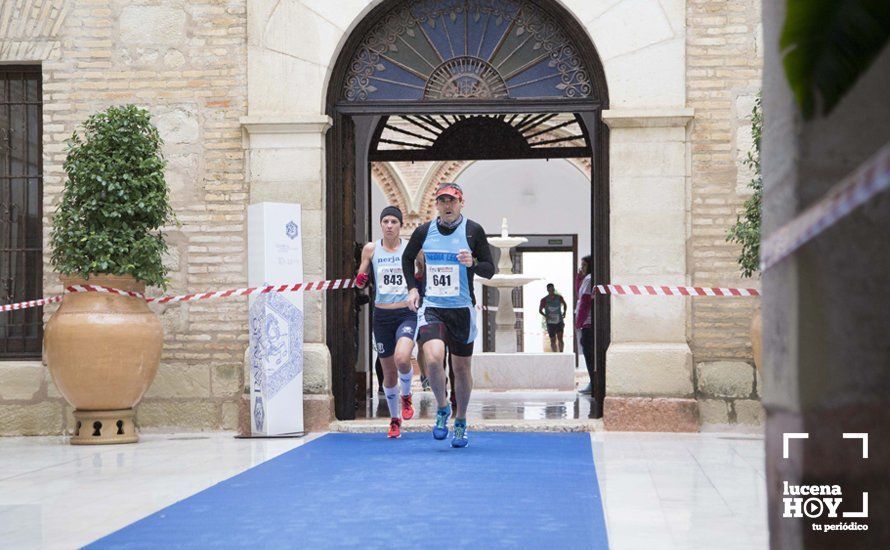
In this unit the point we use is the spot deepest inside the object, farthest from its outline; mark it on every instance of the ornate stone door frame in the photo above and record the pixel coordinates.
(375, 55)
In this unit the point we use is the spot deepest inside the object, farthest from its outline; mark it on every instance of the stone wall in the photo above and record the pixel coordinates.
(185, 60)
(724, 59)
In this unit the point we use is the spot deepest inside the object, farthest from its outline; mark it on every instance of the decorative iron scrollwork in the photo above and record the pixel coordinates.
(465, 77)
(467, 49)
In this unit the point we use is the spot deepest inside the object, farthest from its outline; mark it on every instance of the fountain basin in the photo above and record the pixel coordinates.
(506, 243)
(508, 281)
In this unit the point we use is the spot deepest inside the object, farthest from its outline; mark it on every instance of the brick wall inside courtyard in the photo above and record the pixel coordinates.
(724, 57)
(186, 62)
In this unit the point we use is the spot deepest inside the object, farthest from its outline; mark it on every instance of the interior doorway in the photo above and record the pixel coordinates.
(552, 267)
(550, 257)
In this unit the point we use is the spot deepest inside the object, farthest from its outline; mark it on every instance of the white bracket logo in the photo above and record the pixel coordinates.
(786, 437)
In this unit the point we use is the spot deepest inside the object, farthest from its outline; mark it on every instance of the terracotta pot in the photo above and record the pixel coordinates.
(757, 338)
(103, 350)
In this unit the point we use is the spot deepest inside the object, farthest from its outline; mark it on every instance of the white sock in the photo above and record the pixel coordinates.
(405, 382)
(392, 400)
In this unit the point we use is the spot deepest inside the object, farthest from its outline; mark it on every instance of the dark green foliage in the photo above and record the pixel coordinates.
(746, 230)
(827, 44)
(115, 199)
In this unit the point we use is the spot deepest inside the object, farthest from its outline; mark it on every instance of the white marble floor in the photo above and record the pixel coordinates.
(682, 491)
(660, 490)
(56, 495)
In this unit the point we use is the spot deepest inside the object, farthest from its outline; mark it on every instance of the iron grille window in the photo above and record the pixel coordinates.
(21, 209)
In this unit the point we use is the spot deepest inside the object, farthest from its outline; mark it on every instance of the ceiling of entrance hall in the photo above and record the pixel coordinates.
(466, 49)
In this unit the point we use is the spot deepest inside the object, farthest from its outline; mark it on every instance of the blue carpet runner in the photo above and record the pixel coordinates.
(519, 490)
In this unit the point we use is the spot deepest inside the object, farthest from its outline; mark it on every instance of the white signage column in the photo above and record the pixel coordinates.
(275, 257)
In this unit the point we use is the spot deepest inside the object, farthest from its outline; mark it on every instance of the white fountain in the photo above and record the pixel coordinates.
(505, 282)
(505, 369)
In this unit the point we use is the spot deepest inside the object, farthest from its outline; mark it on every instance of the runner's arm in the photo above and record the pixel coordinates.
(541, 308)
(365, 265)
(484, 265)
(565, 306)
(415, 245)
(420, 265)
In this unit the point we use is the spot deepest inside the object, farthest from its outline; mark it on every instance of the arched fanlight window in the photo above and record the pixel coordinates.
(466, 49)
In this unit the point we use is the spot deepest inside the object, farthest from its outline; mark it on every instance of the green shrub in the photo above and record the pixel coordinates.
(115, 199)
(746, 230)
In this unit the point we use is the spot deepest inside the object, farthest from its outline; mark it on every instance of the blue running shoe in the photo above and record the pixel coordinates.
(440, 430)
(459, 441)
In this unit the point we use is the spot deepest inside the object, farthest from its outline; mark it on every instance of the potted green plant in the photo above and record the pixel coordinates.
(103, 349)
(746, 230)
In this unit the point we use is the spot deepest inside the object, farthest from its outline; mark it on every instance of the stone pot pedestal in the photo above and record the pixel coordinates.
(104, 427)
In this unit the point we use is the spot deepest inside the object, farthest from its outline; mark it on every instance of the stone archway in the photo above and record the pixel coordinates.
(393, 186)
(375, 78)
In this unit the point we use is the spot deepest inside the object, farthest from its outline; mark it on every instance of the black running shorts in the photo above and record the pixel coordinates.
(390, 325)
(454, 326)
(556, 328)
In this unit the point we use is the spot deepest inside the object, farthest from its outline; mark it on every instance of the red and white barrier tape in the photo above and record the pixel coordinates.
(30, 303)
(871, 178)
(314, 285)
(621, 290)
(649, 290)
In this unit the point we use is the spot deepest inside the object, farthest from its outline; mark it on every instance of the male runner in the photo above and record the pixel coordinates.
(553, 308)
(394, 324)
(455, 249)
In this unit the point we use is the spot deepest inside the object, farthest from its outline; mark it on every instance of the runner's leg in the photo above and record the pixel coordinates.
(421, 362)
(390, 385)
(463, 383)
(434, 356)
(385, 326)
(403, 365)
(451, 395)
(552, 335)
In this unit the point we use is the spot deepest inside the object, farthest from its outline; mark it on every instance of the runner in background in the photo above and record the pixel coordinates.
(553, 308)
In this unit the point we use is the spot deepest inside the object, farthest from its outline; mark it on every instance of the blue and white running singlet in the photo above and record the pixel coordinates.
(446, 279)
(389, 281)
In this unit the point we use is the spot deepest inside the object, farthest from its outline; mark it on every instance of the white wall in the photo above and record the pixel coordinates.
(536, 196)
